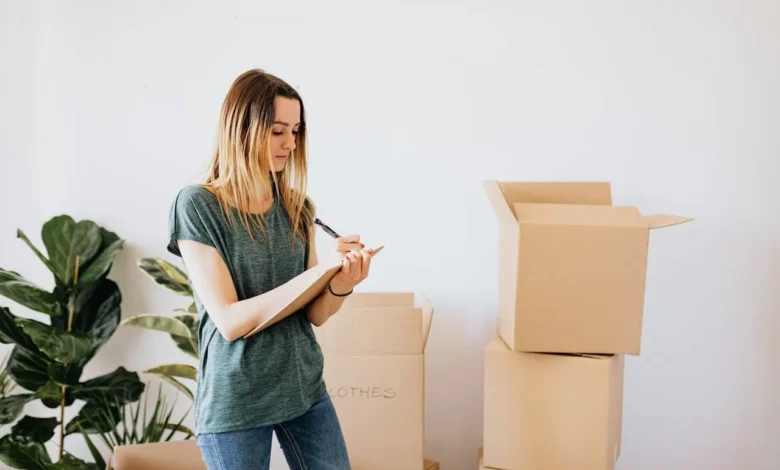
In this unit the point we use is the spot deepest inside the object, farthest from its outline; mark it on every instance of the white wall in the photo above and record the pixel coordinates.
(675, 102)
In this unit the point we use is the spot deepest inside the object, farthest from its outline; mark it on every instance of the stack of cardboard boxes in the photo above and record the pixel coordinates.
(374, 350)
(572, 271)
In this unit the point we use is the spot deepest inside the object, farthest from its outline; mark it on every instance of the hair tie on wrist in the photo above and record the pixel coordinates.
(338, 295)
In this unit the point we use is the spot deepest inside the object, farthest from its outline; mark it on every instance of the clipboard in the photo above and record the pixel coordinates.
(296, 298)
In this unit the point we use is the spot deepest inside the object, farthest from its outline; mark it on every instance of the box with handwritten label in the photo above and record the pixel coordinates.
(374, 350)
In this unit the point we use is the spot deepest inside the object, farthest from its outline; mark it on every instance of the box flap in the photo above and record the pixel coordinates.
(373, 331)
(574, 214)
(427, 319)
(497, 199)
(586, 193)
(379, 299)
(662, 220)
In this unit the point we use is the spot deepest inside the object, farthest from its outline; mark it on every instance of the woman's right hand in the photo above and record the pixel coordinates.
(355, 260)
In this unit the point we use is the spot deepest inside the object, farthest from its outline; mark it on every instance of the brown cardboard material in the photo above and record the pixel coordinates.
(375, 375)
(295, 295)
(175, 455)
(572, 267)
(551, 411)
(171, 455)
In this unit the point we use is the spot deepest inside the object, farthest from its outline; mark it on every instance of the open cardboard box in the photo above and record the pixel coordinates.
(556, 411)
(374, 350)
(174, 455)
(572, 267)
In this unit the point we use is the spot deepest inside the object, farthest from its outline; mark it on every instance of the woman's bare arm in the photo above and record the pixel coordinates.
(211, 278)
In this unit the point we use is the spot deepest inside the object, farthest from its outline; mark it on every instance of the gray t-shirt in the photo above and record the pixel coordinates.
(276, 374)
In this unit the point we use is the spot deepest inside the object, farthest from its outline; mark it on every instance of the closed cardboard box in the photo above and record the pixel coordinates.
(551, 411)
(572, 267)
(374, 351)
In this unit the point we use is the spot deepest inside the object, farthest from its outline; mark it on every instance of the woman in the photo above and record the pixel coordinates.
(242, 233)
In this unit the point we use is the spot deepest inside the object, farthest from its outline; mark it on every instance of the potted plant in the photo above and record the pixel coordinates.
(80, 314)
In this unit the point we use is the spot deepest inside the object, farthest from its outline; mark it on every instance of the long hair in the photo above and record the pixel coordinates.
(240, 169)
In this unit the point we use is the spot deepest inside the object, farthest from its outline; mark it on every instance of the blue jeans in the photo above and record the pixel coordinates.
(313, 441)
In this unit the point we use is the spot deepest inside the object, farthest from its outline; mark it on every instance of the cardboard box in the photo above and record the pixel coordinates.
(171, 455)
(551, 411)
(572, 267)
(174, 455)
(374, 351)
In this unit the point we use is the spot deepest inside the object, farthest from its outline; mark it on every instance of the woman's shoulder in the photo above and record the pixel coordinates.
(195, 192)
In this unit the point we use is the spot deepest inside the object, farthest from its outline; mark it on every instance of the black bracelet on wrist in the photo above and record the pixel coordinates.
(338, 295)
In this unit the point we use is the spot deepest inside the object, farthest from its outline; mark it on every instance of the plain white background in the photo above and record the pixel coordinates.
(109, 107)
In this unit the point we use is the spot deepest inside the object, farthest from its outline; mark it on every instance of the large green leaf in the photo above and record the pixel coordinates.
(32, 429)
(28, 368)
(50, 395)
(184, 371)
(97, 312)
(59, 346)
(10, 333)
(11, 407)
(65, 374)
(35, 250)
(23, 292)
(94, 418)
(23, 455)
(120, 385)
(66, 240)
(188, 344)
(166, 275)
(162, 323)
(101, 265)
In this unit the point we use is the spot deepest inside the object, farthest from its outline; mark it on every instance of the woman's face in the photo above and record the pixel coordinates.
(287, 120)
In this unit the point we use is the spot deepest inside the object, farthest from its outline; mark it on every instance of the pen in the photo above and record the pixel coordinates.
(327, 229)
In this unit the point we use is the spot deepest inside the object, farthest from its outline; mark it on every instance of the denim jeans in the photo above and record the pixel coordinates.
(313, 441)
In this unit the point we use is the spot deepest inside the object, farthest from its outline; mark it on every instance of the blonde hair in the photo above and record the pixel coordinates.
(240, 169)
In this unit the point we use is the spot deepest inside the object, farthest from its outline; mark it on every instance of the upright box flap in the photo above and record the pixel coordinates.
(373, 331)
(572, 214)
(499, 202)
(662, 220)
(587, 193)
(379, 299)
(503, 194)
(427, 319)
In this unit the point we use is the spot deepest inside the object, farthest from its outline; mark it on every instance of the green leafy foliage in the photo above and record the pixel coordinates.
(182, 328)
(47, 360)
(128, 424)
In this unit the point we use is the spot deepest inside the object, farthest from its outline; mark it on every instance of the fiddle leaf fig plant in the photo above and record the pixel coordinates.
(81, 313)
(181, 327)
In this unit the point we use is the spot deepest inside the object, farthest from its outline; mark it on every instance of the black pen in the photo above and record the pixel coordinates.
(327, 229)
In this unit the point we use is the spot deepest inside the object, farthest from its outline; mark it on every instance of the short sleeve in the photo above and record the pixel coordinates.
(190, 219)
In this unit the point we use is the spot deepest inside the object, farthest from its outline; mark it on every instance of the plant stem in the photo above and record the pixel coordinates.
(72, 306)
